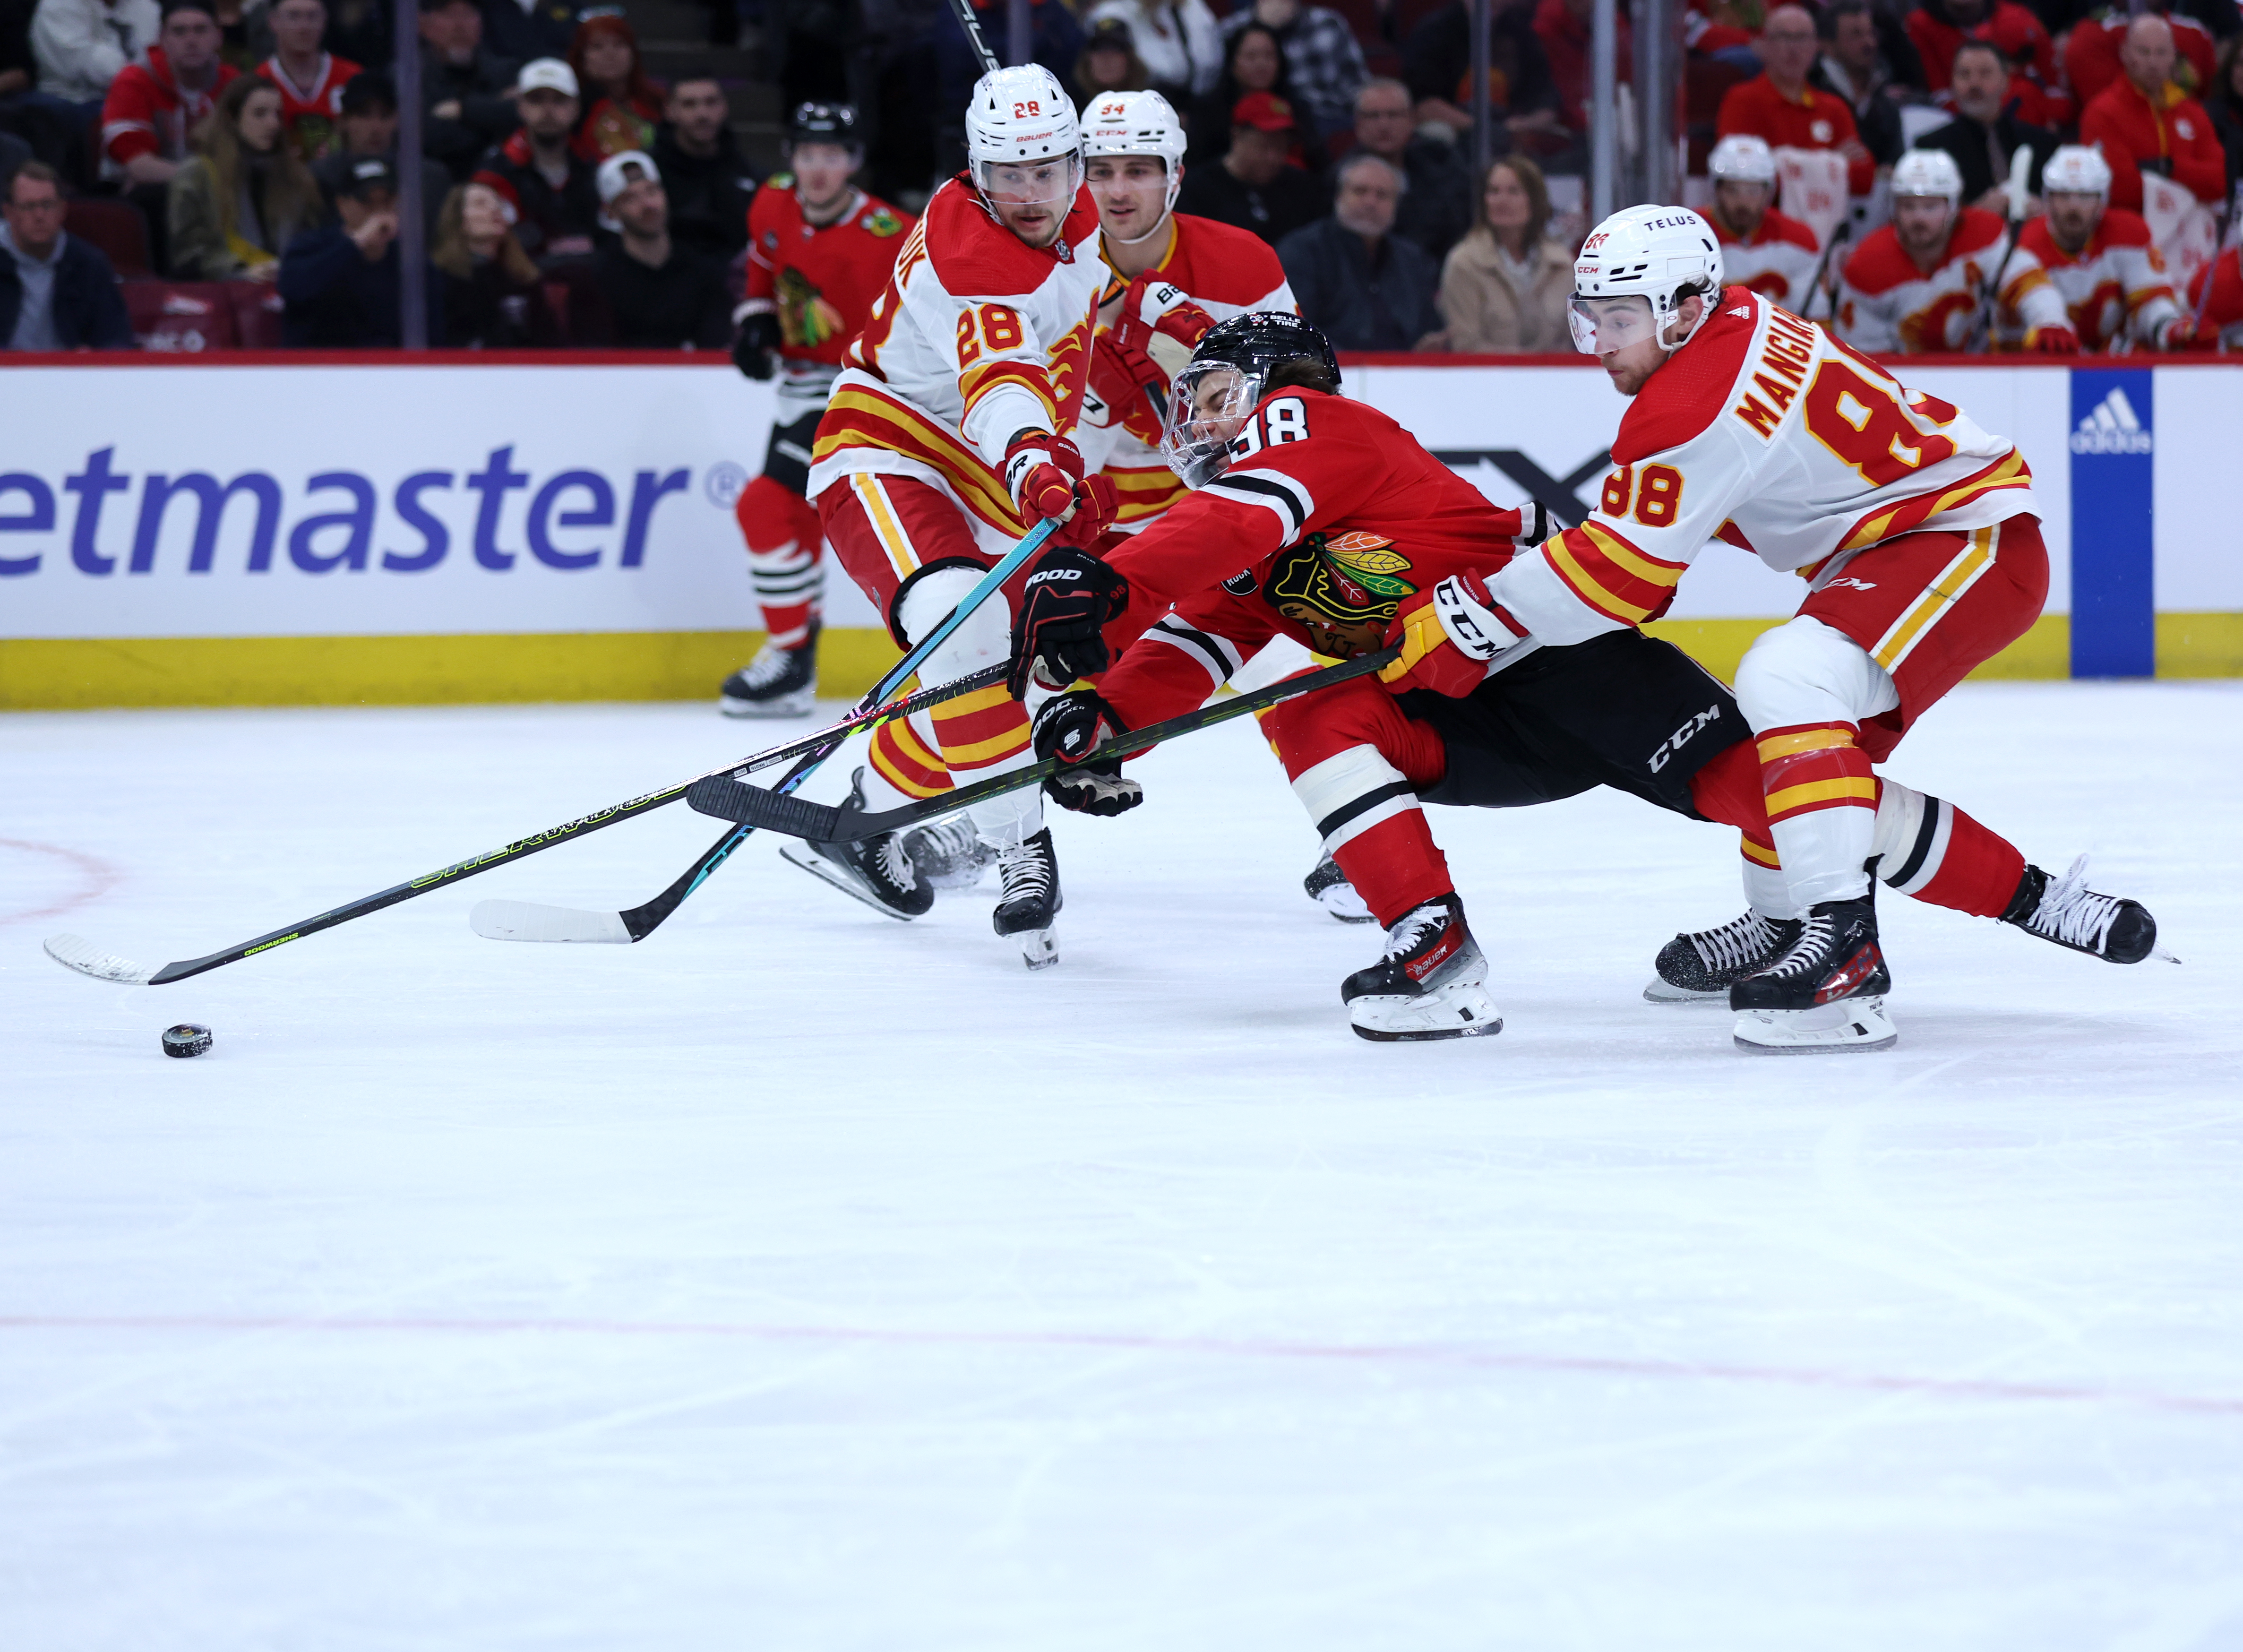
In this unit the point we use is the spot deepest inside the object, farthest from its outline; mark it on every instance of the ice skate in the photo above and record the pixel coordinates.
(1825, 993)
(778, 682)
(949, 854)
(1429, 983)
(1699, 967)
(1329, 887)
(2065, 910)
(876, 871)
(1031, 900)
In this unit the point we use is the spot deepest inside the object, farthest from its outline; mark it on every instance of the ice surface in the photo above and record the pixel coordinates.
(800, 1279)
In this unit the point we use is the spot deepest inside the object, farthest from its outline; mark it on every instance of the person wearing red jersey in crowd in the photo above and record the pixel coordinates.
(1354, 537)
(948, 435)
(1761, 248)
(553, 192)
(1918, 283)
(153, 109)
(311, 79)
(2085, 275)
(623, 106)
(819, 251)
(2217, 297)
(2094, 51)
(1778, 106)
(2142, 122)
(1937, 27)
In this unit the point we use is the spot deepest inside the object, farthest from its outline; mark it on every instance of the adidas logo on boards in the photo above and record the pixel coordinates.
(2112, 428)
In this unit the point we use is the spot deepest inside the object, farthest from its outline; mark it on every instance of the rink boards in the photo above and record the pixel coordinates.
(279, 531)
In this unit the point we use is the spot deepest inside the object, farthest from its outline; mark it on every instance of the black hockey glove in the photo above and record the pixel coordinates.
(1067, 726)
(755, 351)
(1057, 633)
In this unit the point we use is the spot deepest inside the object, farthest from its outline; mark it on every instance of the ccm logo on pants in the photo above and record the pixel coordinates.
(1675, 742)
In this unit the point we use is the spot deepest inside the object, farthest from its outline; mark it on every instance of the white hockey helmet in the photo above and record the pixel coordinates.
(1928, 172)
(2077, 170)
(1743, 159)
(1135, 122)
(1018, 117)
(1661, 255)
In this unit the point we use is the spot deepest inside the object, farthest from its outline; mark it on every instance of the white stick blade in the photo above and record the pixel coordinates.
(75, 952)
(528, 921)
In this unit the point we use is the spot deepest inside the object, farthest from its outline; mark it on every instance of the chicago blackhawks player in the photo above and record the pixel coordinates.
(2085, 274)
(1761, 247)
(1917, 284)
(819, 251)
(949, 434)
(1360, 538)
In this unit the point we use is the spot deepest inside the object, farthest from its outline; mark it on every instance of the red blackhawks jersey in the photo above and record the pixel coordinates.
(2114, 287)
(2221, 315)
(1887, 303)
(1765, 431)
(1226, 272)
(819, 280)
(1329, 516)
(976, 335)
(1777, 261)
(309, 113)
(148, 112)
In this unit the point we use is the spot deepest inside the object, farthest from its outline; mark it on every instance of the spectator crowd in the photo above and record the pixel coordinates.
(243, 155)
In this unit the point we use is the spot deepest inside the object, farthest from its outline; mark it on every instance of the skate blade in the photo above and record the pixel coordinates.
(1412, 1020)
(798, 705)
(1662, 991)
(1348, 911)
(1039, 948)
(1850, 1025)
(799, 854)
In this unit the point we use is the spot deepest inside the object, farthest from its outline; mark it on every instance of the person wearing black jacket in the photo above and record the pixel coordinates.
(1986, 131)
(1363, 286)
(342, 283)
(56, 292)
(551, 188)
(657, 295)
(708, 181)
(464, 108)
(1255, 187)
(527, 29)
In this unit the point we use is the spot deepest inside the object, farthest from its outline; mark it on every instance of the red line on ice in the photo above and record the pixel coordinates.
(1401, 1354)
(99, 879)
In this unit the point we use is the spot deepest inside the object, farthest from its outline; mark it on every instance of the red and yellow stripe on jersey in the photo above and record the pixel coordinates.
(1810, 766)
(2009, 472)
(861, 417)
(899, 757)
(1619, 580)
(979, 381)
(1143, 493)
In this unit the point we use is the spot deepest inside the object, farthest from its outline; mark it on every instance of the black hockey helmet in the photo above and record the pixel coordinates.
(1211, 400)
(1256, 342)
(816, 123)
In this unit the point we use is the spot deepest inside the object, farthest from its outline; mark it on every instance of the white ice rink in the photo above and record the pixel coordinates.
(800, 1281)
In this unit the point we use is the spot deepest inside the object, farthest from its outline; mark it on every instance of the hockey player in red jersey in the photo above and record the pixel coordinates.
(1762, 249)
(2217, 296)
(819, 251)
(947, 436)
(1917, 284)
(1353, 536)
(2085, 274)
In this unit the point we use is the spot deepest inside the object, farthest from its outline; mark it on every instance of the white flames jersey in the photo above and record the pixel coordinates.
(1764, 431)
(1778, 262)
(2114, 287)
(978, 335)
(1886, 303)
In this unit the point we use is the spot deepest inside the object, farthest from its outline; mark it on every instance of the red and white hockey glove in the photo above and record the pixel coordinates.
(2178, 333)
(1157, 330)
(1043, 473)
(1450, 636)
(2053, 340)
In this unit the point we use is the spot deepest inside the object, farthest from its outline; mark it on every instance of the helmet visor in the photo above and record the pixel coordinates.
(1049, 182)
(1209, 404)
(1602, 325)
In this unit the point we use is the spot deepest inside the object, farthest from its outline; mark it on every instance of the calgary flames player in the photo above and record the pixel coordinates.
(947, 436)
(819, 251)
(1355, 537)
(2085, 274)
(1918, 283)
(1762, 249)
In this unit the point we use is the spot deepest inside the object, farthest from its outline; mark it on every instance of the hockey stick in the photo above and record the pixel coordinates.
(823, 823)
(973, 27)
(1840, 233)
(2019, 188)
(73, 952)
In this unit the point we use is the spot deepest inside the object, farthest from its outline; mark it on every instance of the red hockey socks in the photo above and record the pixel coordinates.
(1368, 816)
(1929, 848)
(783, 546)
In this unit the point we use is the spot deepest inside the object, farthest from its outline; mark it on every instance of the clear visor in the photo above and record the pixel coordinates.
(1208, 405)
(1030, 183)
(1602, 325)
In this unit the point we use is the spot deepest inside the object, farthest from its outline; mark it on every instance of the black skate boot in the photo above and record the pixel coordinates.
(1329, 888)
(948, 854)
(778, 682)
(1826, 992)
(2065, 910)
(1429, 982)
(1031, 900)
(875, 871)
(1700, 967)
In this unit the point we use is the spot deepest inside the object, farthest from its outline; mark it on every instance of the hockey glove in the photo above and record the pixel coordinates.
(1057, 633)
(1065, 727)
(2053, 340)
(1450, 636)
(2179, 333)
(755, 351)
(1043, 473)
(1158, 327)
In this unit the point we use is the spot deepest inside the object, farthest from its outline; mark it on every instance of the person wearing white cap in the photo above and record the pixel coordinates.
(553, 193)
(2085, 274)
(658, 295)
(1761, 248)
(1914, 285)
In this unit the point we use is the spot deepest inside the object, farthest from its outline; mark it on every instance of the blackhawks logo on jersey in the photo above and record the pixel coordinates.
(880, 221)
(805, 320)
(1342, 588)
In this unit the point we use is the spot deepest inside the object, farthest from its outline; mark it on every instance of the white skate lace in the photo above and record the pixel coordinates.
(1736, 943)
(1808, 951)
(895, 865)
(768, 666)
(953, 840)
(2073, 914)
(1410, 929)
(1026, 874)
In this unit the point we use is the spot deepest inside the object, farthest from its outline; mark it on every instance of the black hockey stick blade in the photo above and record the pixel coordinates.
(730, 799)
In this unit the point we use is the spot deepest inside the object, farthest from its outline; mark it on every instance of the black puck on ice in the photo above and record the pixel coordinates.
(187, 1039)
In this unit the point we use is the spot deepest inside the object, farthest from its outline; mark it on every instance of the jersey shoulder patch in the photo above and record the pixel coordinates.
(1688, 392)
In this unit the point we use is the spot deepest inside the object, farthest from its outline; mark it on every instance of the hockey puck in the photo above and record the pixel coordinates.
(187, 1039)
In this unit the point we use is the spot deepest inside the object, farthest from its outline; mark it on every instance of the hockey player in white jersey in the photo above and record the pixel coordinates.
(947, 436)
(1761, 248)
(1915, 530)
(2085, 274)
(1918, 283)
